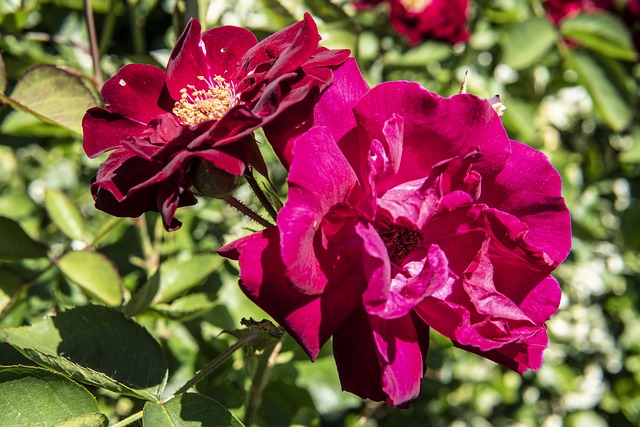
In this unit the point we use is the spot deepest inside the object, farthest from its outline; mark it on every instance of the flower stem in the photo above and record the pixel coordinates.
(93, 42)
(131, 418)
(260, 194)
(215, 363)
(109, 25)
(260, 382)
(248, 212)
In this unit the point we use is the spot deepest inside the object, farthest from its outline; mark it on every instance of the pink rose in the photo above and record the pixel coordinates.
(407, 211)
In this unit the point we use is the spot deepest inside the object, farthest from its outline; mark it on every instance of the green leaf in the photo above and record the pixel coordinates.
(189, 410)
(143, 297)
(64, 214)
(95, 345)
(528, 42)
(604, 81)
(38, 397)
(95, 419)
(53, 95)
(19, 123)
(15, 243)
(326, 10)
(9, 284)
(601, 32)
(190, 305)
(420, 56)
(278, 13)
(177, 277)
(95, 274)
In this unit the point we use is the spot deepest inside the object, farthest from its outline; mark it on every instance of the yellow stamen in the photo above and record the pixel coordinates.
(197, 106)
(415, 6)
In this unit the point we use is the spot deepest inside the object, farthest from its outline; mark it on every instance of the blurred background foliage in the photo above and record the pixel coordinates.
(571, 90)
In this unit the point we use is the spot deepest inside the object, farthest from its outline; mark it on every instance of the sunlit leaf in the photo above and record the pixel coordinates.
(143, 297)
(15, 243)
(528, 42)
(38, 397)
(95, 345)
(601, 32)
(602, 78)
(177, 277)
(95, 274)
(53, 95)
(64, 214)
(189, 410)
(189, 305)
(278, 13)
(420, 56)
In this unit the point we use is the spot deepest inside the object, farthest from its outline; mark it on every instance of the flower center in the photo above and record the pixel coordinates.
(415, 6)
(400, 240)
(197, 106)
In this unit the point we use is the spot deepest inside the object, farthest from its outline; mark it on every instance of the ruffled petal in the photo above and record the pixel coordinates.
(287, 49)
(333, 110)
(435, 129)
(319, 178)
(424, 273)
(530, 188)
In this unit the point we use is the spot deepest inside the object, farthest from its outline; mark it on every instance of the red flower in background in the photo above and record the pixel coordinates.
(218, 87)
(628, 11)
(557, 10)
(407, 211)
(421, 20)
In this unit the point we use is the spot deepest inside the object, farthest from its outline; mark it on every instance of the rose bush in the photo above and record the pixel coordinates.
(407, 211)
(421, 20)
(168, 128)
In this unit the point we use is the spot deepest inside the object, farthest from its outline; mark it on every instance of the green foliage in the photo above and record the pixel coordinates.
(37, 397)
(53, 95)
(601, 32)
(121, 315)
(189, 410)
(528, 42)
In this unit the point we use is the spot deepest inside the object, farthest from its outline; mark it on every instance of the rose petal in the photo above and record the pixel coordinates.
(137, 92)
(319, 178)
(224, 47)
(435, 128)
(530, 188)
(333, 110)
(420, 277)
(311, 320)
(104, 131)
(188, 61)
(379, 359)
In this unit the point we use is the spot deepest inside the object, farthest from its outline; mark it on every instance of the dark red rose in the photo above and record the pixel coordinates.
(219, 86)
(421, 20)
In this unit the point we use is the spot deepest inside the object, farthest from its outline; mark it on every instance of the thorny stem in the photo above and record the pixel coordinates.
(93, 42)
(247, 211)
(259, 384)
(215, 363)
(131, 418)
(260, 194)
